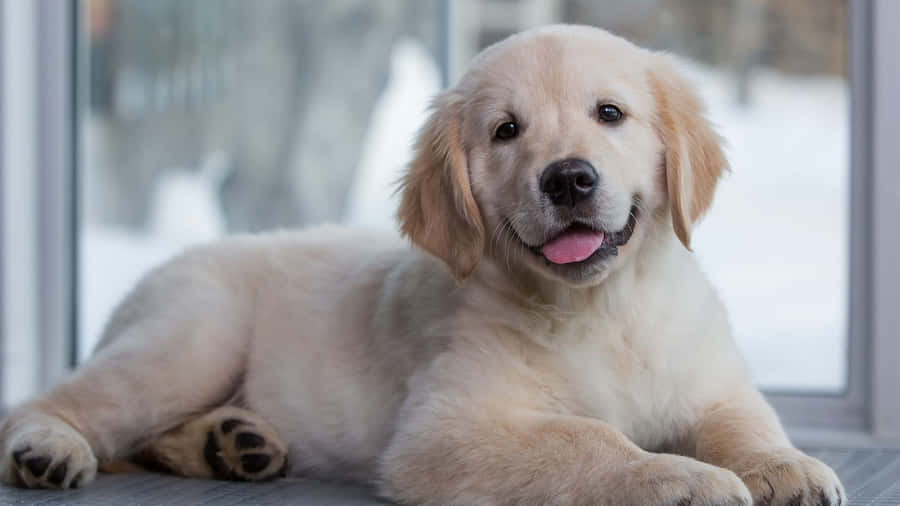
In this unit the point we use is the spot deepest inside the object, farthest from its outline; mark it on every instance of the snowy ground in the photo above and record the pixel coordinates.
(775, 243)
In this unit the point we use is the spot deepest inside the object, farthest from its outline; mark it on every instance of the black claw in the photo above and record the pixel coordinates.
(797, 500)
(58, 473)
(255, 462)
(76, 481)
(37, 465)
(767, 499)
(840, 498)
(282, 472)
(17, 455)
(229, 424)
(211, 454)
(246, 440)
(821, 498)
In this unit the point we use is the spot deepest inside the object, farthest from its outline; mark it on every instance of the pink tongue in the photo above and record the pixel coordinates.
(573, 246)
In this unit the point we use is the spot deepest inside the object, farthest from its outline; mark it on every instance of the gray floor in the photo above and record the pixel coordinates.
(872, 477)
(155, 489)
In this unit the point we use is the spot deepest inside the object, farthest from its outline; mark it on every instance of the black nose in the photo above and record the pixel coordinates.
(568, 182)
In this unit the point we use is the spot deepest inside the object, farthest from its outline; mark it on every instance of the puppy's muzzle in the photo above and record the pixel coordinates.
(569, 181)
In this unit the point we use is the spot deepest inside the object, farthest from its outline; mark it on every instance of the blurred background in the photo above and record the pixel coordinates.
(199, 118)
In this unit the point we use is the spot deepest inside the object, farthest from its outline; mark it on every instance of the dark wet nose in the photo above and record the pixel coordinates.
(568, 182)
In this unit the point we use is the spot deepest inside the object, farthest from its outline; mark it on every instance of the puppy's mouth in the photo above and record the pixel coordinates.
(581, 243)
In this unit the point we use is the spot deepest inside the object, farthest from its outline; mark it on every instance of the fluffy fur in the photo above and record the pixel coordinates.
(476, 373)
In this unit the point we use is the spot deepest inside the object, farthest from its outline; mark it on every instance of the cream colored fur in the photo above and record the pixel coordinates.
(504, 381)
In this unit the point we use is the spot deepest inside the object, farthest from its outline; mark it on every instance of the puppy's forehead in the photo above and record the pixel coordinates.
(558, 62)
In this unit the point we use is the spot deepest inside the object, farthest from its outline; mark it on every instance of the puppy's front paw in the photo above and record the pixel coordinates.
(673, 480)
(46, 453)
(787, 477)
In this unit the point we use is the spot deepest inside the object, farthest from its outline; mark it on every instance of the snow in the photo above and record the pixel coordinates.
(194, 190)
(112, 261)
(399, 113)
(775, 243)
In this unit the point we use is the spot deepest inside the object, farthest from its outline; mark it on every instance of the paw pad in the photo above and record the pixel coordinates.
(246, 440)
(255, 462)
(37, 465)
(38, 470)
(58, 473)
(237, 449)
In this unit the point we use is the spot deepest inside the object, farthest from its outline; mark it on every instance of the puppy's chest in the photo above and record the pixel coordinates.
(627, 378)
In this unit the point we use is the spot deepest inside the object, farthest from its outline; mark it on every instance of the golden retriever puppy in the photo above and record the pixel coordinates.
(551, 340)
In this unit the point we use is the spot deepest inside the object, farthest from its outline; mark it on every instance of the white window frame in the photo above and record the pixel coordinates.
(2, 192)
(57, 188)
(19, 266)
(37, 194)
(885, 185)
(868, 412)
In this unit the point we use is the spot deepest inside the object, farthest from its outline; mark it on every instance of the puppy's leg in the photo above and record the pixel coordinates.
(227, 443)
(173, 355)
(453, 449)
(743, 434)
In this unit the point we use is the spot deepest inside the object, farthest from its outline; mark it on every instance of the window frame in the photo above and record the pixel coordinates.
(848, 411)
(19, 254)
(37, 194)
(3, 170)
(885, 184)
(58, 224)
(866, 411)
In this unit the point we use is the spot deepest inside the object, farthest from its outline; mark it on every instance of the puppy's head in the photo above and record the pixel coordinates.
(561, 150)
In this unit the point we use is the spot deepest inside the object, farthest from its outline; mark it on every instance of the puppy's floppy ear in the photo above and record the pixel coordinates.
(693, 157)
(437, 210)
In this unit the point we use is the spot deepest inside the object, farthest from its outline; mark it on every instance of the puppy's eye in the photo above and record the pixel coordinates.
(506, 131)
(609, 113)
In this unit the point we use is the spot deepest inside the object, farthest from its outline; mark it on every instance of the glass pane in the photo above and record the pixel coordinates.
(209, 116)
(774, 75)
(202, 117)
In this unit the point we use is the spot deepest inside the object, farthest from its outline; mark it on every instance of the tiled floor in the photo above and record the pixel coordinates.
(872, 478)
